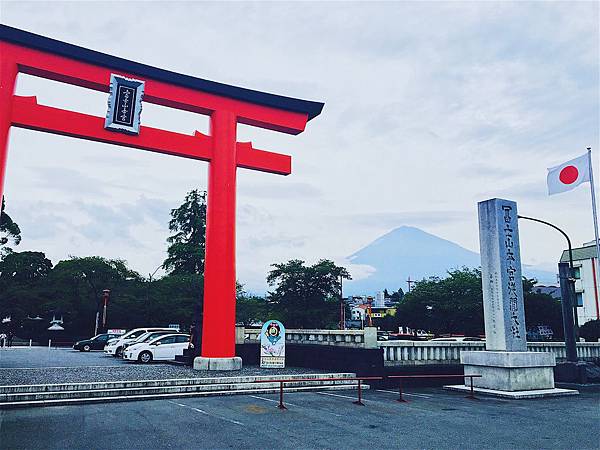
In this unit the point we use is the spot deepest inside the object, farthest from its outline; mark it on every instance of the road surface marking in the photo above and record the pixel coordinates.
(336, 395)
(270, 400)
(291, 404)
(62, 367)
(403, 393)
(206, 413)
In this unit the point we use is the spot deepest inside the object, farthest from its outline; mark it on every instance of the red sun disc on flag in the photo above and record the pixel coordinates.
(568, 175)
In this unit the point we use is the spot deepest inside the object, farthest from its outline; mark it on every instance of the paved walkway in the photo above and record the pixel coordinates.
(42, 365)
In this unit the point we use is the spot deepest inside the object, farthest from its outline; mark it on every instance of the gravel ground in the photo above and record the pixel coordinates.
(66, 366)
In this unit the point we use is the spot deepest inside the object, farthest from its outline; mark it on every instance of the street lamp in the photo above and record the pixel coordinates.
(147, 306)
(105, 297)
(569, 309)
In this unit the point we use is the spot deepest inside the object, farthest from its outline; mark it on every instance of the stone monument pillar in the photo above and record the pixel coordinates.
(507, 369)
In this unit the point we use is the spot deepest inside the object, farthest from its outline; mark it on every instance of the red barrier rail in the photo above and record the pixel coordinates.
(292, 380)
(401, 377)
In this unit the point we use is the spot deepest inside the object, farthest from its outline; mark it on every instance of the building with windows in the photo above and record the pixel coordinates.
(585, 269)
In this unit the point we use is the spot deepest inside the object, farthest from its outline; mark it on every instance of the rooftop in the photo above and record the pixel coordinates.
(580, 253)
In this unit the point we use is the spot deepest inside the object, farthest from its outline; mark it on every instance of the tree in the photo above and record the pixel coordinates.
(76, 287)
(306, 296)
(23, 284)
(250, 309)
(450, 305)
(542, 309)
(9, 231)
(21, 267)
(455, 305)
(397, 296)
(186, 251)
(590, 331)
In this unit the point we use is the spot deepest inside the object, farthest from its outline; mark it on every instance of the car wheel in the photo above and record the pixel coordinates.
(86, 348)
(119, 352)
(145, 357)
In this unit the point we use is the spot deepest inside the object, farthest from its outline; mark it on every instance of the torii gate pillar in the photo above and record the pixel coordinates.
(218, 324)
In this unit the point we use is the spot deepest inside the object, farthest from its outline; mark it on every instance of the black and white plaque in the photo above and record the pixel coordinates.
(124, 105)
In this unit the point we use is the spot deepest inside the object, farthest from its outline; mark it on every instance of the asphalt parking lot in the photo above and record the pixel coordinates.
(432, 419)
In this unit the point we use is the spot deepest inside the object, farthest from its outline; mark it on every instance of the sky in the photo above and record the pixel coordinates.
(430, 107)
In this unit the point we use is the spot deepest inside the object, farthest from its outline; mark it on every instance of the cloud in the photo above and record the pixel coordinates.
(288, 190)
(279, 241)
(396, 219)
(429, 108)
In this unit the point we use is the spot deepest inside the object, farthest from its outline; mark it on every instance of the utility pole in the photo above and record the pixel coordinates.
(410, 283)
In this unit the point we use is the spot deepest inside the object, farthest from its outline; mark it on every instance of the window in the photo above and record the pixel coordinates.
(577, 272)
(579, 298)
(103, 338)
(181, 339)
(167, 340)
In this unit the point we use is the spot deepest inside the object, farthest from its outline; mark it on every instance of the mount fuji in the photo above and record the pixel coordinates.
(411, 252)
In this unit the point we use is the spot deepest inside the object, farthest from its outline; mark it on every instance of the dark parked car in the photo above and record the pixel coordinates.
(95, 343)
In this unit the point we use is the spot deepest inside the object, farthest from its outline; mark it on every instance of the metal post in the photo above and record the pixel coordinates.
(359, 401)
(595, 216)
(400, 397)
(472, 392)
(281, 405)
(566, 302)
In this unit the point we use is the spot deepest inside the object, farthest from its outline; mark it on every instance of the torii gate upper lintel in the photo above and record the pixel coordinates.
(24, 52)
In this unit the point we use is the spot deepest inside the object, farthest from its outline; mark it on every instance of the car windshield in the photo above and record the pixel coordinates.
(143, 337)
(130, 334)
(151, 336)
(160, 338)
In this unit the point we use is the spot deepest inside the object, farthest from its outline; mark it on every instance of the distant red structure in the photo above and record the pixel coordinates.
(23, 52)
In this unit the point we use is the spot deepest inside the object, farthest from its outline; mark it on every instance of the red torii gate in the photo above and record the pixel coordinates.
(24, 52)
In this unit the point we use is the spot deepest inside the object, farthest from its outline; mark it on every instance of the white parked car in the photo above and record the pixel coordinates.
(114, 347)
(458, 339)
(147, 337)
(162, 348)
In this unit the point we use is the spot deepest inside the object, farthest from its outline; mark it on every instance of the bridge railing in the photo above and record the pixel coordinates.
(366, 338)
(406, 353)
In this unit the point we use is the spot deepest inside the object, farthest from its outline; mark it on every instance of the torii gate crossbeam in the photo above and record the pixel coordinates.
(23, 52)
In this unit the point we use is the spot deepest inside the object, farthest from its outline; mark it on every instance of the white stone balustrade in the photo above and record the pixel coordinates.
(405, 353)
(366, 338)
(408, 353)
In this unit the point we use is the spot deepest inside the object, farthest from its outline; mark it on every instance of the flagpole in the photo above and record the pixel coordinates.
(595, 214)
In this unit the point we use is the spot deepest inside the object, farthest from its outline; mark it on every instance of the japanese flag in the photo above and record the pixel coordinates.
(568, 175)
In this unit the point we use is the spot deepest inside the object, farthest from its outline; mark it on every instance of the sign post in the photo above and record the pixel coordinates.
(272, 345)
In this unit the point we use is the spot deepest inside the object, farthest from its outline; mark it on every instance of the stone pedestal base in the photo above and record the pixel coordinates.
(510, 371)
(511, 374)
(202, 363)
(516, 395)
